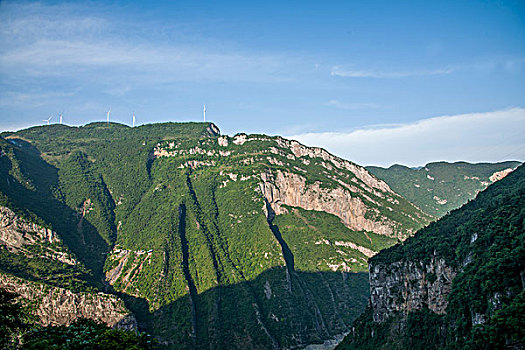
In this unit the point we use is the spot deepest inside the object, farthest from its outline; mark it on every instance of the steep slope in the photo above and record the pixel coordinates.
(213, 241)
(43, 265)
(438, 188)
(458, 283)
(61, 306)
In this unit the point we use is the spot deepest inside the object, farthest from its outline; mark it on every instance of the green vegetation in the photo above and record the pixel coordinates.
(53, 272)
(438, 188)
(484, 242)
(85, 334)
(183, 237)
(11, 319)
(18, 332)
(320, 241)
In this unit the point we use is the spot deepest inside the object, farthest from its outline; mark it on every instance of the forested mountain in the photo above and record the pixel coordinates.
(212, 241)
(457, 284)
(438, 188)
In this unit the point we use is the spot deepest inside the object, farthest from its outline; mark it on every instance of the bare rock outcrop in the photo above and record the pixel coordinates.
(404, 286)
(16, 232)
(291, 189)
(300, 150)
(59, 306)
(498, 175)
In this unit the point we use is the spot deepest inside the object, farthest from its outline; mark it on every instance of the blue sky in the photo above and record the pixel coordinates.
(349, 76)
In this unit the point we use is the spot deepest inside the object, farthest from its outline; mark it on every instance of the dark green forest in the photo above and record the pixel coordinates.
(484, 242)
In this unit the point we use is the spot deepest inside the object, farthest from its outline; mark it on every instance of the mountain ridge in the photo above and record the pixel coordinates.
(249, 237)
(456, 283)
(180, 222)
(439, 187)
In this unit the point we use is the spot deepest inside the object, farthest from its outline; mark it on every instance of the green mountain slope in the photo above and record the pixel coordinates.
(457, 284)
(213, 241)
(438, 188)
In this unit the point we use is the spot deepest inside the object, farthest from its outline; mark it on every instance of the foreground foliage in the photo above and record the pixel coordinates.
(85, 334)
(17, 331)
(11, 319)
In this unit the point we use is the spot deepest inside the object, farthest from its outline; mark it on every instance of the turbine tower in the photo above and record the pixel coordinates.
(133, 119)
(60, 116)
(204, 113)
(47, 120)
(107, 116)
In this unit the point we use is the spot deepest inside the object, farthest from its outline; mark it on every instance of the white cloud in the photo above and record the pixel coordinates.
(475, 137)
(351, 106)
(161, 64)
(341, 71)
(507, 64)
(35, 99)
(73, 41)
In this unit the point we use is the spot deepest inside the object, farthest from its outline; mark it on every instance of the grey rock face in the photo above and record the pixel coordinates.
(405, 286)
(16, 233)
(59, 306)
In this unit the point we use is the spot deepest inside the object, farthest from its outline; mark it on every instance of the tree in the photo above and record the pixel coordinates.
(11, 323)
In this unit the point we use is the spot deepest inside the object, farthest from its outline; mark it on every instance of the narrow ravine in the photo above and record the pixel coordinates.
(287, 253)
(186, 269)
(210, 328)
(293, 278)
(204, 229)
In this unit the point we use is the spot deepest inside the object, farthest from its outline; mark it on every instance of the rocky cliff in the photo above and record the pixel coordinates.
(291, 189)
(405, 286)
(359, 199)
(52, 305)
(177, 219)
(59, 306)
(458, 283)
(21, 236)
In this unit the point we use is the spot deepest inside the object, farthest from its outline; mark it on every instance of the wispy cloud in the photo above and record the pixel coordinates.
(61, 57)
(43, 40)
(491, 136)
(16, 99)
(348, 72)
(351, 106)
(506, 64)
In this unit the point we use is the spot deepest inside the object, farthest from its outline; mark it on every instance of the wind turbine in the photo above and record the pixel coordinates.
(47, 120)
(60, 116)
(204, 113)
(107, 115)
(133, 119)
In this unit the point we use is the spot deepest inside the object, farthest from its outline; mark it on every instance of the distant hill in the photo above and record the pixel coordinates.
(457, 284)
(438, 188)
(245, 241)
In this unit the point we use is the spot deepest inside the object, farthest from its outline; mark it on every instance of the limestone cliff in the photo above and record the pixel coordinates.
(174, 216)
(59, 306)
(406, 285)
(358, 198)
(291, 189)
(458, 283)
(18, 235)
